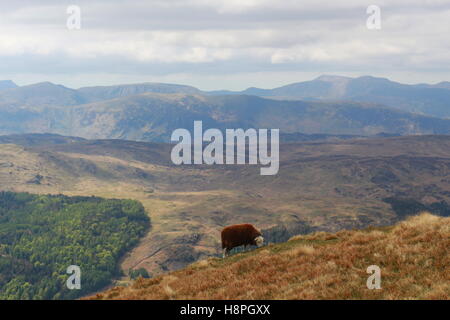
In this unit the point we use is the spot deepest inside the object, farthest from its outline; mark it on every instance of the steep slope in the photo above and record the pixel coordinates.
(413, 257)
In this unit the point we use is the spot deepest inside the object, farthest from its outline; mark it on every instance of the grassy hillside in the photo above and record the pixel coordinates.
(413, 257)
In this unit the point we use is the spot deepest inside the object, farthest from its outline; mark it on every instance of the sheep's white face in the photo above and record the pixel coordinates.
(259, 241)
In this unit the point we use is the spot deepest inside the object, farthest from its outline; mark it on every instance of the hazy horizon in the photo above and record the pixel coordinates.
(218, 89)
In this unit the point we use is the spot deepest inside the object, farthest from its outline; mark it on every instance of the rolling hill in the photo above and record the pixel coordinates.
(413, 257)
(321, 186)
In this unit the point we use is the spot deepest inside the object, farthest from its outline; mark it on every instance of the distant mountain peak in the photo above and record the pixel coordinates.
(7, 84)
(332, 78)
(372, 78)
(45, 84)
(45, 87)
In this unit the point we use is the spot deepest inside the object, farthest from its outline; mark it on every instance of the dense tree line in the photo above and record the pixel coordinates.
(41, 235)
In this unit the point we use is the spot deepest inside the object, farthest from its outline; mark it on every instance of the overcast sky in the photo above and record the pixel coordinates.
(222, 44)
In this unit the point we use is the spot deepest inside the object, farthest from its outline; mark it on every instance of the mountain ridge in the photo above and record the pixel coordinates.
(329, 104)
(154, 116)
(432, 100)
(323, 87)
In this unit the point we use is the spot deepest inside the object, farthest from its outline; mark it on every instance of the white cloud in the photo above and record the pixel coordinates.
(224, 37)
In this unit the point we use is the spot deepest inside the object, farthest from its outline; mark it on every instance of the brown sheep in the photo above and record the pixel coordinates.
(240, 235)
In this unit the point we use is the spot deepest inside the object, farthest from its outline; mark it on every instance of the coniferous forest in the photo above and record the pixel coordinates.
(42, 235)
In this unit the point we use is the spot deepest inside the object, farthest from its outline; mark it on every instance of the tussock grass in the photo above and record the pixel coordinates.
(413, 256)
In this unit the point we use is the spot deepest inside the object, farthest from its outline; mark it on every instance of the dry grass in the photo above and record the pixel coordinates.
(413, 257)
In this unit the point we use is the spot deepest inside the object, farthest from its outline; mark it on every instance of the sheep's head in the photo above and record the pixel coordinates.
(259, 241)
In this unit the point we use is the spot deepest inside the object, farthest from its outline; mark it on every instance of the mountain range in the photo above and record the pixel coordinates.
(422, 98)
(331, 105)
